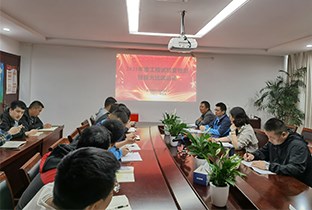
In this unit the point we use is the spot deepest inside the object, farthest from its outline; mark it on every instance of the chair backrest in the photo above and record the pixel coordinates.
(81, 128)
(92, 120)
(6, 195)
(307, 134)
(63, 140)
(262, 138)
(71, 137)
(292, 128)
(30, 169)
(85, 122)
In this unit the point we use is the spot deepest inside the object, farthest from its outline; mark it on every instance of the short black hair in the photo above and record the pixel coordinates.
(276, 125)
(222, 106)
(95, 136)
(116, 128)
(36, 104)
(124, 108)
(240, 116)
(83, 177)
(119, 113)
(19, 104)
(109, 101)
(113, 107)
(206, 103)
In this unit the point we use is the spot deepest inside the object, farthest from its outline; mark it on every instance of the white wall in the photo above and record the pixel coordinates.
(9, 45)
(73, 82)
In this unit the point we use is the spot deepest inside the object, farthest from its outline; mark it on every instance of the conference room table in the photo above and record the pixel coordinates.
(12, 159)
(164, 180)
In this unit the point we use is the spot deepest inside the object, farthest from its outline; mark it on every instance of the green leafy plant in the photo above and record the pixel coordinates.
(176, 128)
(202, 147)
(224, 170)
(173, 124)
(281, 96)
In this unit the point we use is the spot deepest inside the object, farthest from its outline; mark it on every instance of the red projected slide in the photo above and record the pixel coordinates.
(155, 78)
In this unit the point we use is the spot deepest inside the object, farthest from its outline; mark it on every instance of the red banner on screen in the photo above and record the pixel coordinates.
(155, 78)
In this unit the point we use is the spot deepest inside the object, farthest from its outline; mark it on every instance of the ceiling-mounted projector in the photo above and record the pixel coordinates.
(182, 44)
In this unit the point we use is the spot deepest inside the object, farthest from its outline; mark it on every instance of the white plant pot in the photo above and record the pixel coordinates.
(199, 161)
(173, 143)
(219, 195)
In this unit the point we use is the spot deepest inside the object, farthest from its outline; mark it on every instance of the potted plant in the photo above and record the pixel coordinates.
(281, 96)
(173, 126)
(223, 172)
(168, 120)
(203, 149)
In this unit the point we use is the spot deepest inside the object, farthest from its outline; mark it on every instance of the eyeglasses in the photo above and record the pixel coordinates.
(116, 186)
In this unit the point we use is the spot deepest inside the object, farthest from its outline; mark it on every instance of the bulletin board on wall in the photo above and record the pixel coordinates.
(9, 78)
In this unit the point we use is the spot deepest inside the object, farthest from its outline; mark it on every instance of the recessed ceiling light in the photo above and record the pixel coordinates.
(309, 45)
(6, 29)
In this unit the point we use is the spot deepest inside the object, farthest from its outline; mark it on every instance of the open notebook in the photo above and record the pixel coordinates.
(12, 144)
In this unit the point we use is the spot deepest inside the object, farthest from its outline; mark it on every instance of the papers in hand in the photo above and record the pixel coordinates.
(133, 147)
(47, 129)
(125, 174)
(119, 202)
(258, 170)
(131, 130)
(12, 144)
(227, 145)
(131, 156)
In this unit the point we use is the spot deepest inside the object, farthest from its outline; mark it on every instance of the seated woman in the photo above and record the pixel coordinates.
(242, 135)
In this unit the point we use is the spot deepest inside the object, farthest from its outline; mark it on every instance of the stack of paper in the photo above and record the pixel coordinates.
(131, 156)
(192, 130)
(12, 144)
(133, 147)
(48, 129)
(125, 174)
(119, 202)
(258, 170)
(37, 134)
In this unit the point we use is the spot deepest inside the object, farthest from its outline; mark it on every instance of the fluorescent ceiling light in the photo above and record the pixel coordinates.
(227, 11)
(6, 29)
(133, 10)
(309, 45)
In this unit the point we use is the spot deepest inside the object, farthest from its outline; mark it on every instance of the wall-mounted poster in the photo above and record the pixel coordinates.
(1, 81)
(11, 79)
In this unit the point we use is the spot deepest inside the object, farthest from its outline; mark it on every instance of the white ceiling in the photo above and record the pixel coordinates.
(269, 27)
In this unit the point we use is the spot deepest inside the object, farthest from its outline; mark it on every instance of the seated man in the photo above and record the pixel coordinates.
(85, 179)
(13, 117)
(286, 152)
(31, 116)
(94, 136)
(207, 116)
(221, 125)
(106, 109)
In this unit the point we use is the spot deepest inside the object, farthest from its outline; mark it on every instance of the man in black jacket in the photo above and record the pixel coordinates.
(286, 152)
(31, 115)
(13, 117)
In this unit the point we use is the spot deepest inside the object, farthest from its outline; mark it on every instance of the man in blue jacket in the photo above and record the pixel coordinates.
(221, 125)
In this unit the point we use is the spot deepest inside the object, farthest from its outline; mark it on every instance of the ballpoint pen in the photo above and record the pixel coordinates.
(118, 207)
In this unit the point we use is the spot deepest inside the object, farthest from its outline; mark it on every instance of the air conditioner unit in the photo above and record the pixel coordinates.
(182, 44)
